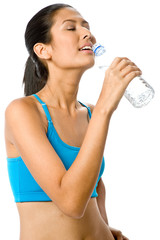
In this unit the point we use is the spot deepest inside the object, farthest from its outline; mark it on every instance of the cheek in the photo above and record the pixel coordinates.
(63, 57)
(68, 43)
(64, 53)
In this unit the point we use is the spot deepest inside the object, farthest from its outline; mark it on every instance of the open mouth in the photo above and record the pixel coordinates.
(86, 48)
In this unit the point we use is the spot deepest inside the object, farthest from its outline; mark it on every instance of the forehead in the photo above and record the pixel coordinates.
(67, 13)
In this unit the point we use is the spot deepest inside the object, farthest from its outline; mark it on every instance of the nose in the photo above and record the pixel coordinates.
(88, 35)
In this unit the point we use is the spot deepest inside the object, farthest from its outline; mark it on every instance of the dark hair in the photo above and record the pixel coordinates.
(38, 30)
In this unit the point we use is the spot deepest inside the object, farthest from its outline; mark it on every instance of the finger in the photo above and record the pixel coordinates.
(115, 62)
(129, 69)
(119, 237)
(129, 77)
(124, 62)
(125, 238)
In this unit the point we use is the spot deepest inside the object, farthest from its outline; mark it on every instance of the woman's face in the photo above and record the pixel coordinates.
(70, 32)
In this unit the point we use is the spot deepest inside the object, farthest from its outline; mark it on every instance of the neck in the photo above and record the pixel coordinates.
(61, 89)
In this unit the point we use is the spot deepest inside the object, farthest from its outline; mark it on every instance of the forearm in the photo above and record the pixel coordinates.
(79, 181)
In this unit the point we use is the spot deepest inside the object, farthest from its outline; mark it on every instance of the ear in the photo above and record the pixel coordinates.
(42, 51)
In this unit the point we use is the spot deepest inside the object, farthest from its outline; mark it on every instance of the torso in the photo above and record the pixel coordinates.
(44, 220)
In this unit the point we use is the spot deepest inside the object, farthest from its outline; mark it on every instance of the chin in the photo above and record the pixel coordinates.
(89, 64)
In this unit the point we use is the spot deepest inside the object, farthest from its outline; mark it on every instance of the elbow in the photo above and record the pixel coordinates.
(77, 213)
(74, 209)
(72, 204)
(74, 214)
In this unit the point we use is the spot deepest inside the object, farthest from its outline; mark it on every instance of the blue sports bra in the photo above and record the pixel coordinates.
(24, 186)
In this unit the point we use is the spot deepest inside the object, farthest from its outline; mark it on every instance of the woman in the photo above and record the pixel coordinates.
(58, 185)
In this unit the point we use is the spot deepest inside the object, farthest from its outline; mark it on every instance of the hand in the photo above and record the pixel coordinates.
(117, 78)
(117, 234)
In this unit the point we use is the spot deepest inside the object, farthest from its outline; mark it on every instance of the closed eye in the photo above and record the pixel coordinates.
(71, 29)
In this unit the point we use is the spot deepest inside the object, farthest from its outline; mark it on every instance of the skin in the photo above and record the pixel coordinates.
(66, 64)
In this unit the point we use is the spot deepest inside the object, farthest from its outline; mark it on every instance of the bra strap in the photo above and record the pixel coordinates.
(47, 112)
(89, 110)
(44, 107)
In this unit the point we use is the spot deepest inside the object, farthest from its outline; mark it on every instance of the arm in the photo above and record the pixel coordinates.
(100, 190)
(101, 200)
(101, 205)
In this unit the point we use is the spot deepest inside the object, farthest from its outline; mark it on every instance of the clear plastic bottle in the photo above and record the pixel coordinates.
(139, 92)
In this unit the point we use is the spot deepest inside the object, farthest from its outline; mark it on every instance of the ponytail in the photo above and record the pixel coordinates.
(35, 76)
(38, 30)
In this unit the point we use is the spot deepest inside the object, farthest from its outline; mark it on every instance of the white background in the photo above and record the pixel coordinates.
(127, 29)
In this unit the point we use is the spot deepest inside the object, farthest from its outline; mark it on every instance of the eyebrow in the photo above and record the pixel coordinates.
(71, 20)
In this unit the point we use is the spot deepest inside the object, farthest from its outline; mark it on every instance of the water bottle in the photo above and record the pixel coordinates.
(139, 93)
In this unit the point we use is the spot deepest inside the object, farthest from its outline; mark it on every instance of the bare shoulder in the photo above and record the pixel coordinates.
(20, 111)
(20, 107)
(19, 104)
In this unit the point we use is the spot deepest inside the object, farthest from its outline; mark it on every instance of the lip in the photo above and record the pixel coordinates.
(87, 51)
(86, 44)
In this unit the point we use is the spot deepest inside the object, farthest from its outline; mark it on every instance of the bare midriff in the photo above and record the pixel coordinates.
(45, 221)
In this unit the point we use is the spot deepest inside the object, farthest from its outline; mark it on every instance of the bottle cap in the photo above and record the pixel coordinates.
(98, 49)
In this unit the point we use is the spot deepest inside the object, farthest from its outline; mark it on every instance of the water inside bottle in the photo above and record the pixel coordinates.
(139, 92)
